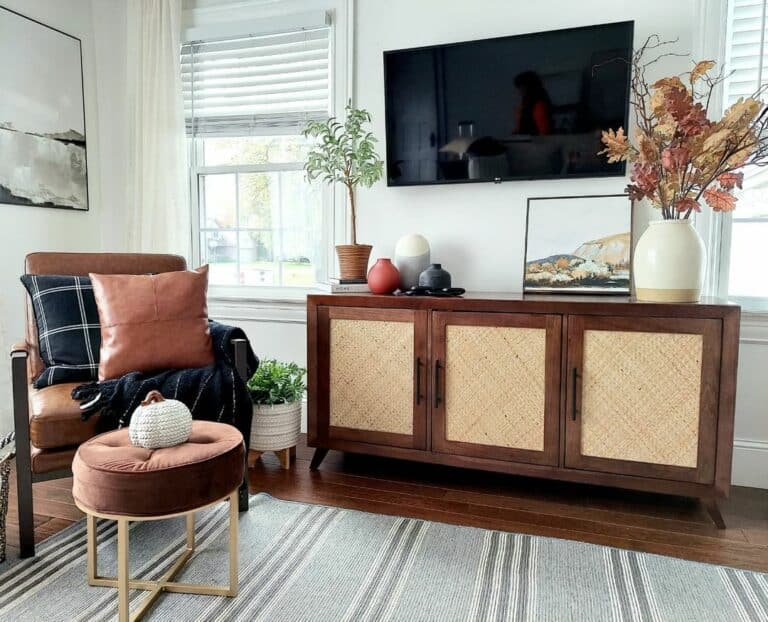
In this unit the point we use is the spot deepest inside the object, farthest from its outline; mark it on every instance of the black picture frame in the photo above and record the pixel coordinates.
(6, 198)
(591, 288)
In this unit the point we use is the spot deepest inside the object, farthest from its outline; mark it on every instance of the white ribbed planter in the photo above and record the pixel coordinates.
(275, 427)
(669, 262)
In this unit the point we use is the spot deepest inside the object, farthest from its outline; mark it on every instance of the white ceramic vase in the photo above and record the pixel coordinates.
(275, 427)
(669, 262)
(411, 259)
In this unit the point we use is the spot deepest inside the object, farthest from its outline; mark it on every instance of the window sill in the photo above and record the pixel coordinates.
(249, 307)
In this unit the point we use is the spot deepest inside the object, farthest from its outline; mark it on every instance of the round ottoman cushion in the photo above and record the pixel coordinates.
(112, 476)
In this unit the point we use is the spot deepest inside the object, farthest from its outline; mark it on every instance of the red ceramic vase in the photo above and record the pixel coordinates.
(383, 277)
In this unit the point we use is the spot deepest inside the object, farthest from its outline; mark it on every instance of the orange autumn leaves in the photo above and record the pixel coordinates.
(680, 158)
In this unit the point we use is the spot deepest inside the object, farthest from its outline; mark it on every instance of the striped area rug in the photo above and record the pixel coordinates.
(311, 563)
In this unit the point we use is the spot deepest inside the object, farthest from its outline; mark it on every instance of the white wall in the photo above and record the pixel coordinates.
(476, 230)
(109, 42)
(25, 229)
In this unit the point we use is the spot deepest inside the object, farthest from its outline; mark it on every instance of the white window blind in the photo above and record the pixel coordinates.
(746, 55)
(746, 229)
(248, 85)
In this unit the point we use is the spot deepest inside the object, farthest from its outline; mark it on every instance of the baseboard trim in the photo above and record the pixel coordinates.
(750, 463)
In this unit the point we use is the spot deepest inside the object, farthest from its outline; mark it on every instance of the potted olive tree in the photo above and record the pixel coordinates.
(344, 153)
(276, 390)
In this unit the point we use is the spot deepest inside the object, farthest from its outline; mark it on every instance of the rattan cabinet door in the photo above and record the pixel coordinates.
(495, 389)
(642, 396)
(374, 370)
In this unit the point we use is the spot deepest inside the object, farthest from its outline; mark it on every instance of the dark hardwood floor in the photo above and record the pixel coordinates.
(644, 522)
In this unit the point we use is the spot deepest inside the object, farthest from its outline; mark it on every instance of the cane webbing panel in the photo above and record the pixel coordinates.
(371, 375)
(640, 396)
(495, 385)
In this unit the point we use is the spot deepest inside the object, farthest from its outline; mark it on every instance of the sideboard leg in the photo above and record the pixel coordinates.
(714, 512)
(317, 458)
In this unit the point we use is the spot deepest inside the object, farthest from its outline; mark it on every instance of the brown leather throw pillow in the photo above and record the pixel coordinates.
(152, 322)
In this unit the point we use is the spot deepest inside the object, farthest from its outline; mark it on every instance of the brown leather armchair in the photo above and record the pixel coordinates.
(47, 421)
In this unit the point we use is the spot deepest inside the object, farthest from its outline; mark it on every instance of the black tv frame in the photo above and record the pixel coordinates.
(621, 171)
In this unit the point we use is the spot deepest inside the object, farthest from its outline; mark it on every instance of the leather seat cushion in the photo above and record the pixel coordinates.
(50, 460)
(54, 418)
(112, 476)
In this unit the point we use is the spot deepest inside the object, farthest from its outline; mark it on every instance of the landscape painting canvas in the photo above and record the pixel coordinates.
(42, 120)
(578, 245)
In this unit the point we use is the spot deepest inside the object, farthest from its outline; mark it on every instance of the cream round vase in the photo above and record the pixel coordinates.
(669, 262)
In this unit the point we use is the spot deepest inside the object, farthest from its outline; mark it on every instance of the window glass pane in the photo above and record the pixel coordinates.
(257, 265)
(219, 250)
(753, 200)
(748, 240)
(218, 201)
(254, 150)
(300, 218)
(298, 272)
(301, 202)
(258, 191)
(261, 228)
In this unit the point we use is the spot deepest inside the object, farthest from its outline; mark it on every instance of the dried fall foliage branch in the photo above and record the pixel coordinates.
(679, 156)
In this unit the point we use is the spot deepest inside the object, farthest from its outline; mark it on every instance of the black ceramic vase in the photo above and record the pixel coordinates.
(435, 277)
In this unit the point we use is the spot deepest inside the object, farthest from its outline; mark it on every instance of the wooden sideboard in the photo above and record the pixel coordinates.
(598, 390)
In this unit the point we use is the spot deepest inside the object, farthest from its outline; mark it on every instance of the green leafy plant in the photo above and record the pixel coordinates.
(276, 382)
(344, 153)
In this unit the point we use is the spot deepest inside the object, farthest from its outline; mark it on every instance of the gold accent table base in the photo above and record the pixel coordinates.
(166, 583)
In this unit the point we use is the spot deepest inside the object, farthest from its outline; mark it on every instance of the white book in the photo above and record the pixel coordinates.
(346, 288)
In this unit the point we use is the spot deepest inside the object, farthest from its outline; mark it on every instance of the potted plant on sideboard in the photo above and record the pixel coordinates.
(276, 390)
(344, 153)
(681, 160)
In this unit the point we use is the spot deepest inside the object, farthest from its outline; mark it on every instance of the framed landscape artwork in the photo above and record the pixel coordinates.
(42, 117)
(578, 245)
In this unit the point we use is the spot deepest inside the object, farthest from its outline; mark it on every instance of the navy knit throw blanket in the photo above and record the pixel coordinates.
(212, 393)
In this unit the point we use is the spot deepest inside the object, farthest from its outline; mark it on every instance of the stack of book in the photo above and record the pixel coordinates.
(344, 286)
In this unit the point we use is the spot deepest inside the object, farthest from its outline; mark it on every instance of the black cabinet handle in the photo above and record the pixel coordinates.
(574, 376)
(417, 371)
(436, 388)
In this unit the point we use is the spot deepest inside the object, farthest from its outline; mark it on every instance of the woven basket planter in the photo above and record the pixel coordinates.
(6, 457)
(275, 427)
(353, 260)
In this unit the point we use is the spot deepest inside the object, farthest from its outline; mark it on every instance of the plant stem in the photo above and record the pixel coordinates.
(353, 211)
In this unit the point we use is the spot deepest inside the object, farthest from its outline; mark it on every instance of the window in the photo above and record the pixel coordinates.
(747, 62)
(258, 222)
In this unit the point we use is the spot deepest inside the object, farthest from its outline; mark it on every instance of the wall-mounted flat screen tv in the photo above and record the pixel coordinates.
(523, 107)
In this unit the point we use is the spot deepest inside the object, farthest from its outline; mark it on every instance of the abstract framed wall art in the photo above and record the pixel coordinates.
(42, 116)
(578, 244)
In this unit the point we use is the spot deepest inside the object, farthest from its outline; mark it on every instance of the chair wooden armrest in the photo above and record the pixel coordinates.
(240, 347)
(20, 388)
(20, 347)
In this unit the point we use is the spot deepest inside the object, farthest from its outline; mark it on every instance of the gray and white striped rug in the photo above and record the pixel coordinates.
(301, 562)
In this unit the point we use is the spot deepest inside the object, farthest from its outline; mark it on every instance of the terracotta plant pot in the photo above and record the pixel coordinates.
(383, 277)
(353, 260)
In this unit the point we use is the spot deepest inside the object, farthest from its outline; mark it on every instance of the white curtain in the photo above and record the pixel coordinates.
(158, 215)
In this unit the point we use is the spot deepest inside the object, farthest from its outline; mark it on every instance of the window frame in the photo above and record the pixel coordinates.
(716, 228)
(251, 292)
(335, 220)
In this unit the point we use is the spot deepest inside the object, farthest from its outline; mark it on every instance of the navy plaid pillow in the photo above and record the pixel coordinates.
(68, 329)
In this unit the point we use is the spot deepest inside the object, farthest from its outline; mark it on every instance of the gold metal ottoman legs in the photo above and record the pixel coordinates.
(166, 583)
